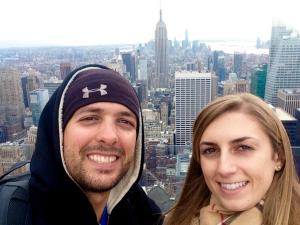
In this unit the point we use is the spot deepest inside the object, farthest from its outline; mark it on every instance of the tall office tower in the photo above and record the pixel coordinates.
(129, 62)
(38, 100)
(11, 104)
(258, 80)
(143, 69)
(193, 91)
(24, 85)
(238, 64)
(65, 69)
(52, 84)
(161, 54)
(209, 64)
(185, 42)
(289, 100)
(141, 90)
(216, 59)
(284, 66)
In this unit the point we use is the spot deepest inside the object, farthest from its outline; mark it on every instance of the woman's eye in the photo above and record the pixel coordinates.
(208, 151)
(245, 148)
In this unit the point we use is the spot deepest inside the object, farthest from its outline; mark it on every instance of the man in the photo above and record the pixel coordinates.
(89, 154)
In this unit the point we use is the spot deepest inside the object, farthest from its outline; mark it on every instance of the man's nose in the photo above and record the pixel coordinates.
(107, 133)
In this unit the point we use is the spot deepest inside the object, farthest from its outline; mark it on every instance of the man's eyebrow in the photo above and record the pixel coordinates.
(127, 113)
(90, 109)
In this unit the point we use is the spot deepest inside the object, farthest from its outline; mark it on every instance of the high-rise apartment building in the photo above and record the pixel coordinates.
(289, 100)
(258, 80)
(11, 104)
(284, 66)
(161, 54)
(193, 91)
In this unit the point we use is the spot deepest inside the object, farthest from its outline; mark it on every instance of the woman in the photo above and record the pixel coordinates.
(242, 169)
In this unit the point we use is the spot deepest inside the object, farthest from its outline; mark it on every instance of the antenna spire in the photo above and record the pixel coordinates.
(160, 12)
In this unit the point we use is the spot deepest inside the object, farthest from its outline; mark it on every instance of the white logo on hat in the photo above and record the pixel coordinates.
(86, 91)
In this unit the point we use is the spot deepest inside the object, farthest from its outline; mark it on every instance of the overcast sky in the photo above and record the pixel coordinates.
(88, 22)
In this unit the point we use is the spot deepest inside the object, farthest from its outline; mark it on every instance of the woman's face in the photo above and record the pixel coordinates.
(237, 161)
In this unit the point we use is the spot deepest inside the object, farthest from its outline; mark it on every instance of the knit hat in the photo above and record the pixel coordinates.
(95, 84)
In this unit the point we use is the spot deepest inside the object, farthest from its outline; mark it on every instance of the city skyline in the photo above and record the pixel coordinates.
(92, 22)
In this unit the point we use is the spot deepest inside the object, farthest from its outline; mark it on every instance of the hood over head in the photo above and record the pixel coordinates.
(50, 181)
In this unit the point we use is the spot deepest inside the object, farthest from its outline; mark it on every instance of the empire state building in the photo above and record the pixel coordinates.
(161, 54)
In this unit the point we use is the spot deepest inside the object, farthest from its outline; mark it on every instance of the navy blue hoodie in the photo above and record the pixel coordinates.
(56, 199)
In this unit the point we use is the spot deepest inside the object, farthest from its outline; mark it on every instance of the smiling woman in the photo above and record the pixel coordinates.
(242, 169)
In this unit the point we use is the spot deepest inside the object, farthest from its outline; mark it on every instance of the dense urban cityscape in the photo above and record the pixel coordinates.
(174, 80)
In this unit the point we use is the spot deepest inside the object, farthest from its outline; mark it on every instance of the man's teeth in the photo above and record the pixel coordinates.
(102, 159)
(233, 186)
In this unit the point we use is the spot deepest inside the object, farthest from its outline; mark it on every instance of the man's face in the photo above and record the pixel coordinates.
(99, 145)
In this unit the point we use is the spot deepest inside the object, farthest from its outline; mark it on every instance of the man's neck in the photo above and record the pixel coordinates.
(98, 201)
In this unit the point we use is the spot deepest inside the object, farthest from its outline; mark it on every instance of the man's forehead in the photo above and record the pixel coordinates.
(101, 107)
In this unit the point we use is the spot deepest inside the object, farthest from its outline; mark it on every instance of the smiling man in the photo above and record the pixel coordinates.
(89, 154)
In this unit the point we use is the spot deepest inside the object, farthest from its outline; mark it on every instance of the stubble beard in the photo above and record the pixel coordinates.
(98, 181)
(99, 184)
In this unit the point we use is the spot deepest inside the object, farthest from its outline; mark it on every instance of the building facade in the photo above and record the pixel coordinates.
(258, 80)
(38, 100)
(11, 104)
(284, 66)
(161, 54)
(193, 91)
(289, 100)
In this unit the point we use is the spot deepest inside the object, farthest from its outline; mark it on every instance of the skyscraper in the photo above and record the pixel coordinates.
(38, 99)
(129, 61)
(65, 69)
(161, 54)
(238, 64)
(258, 80)
(11, 104)
(284, 66)
(193, 91)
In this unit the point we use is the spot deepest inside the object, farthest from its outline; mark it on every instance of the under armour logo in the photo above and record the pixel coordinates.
(86, 91)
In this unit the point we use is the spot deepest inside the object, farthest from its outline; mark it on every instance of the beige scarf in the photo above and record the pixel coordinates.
(214, 215)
